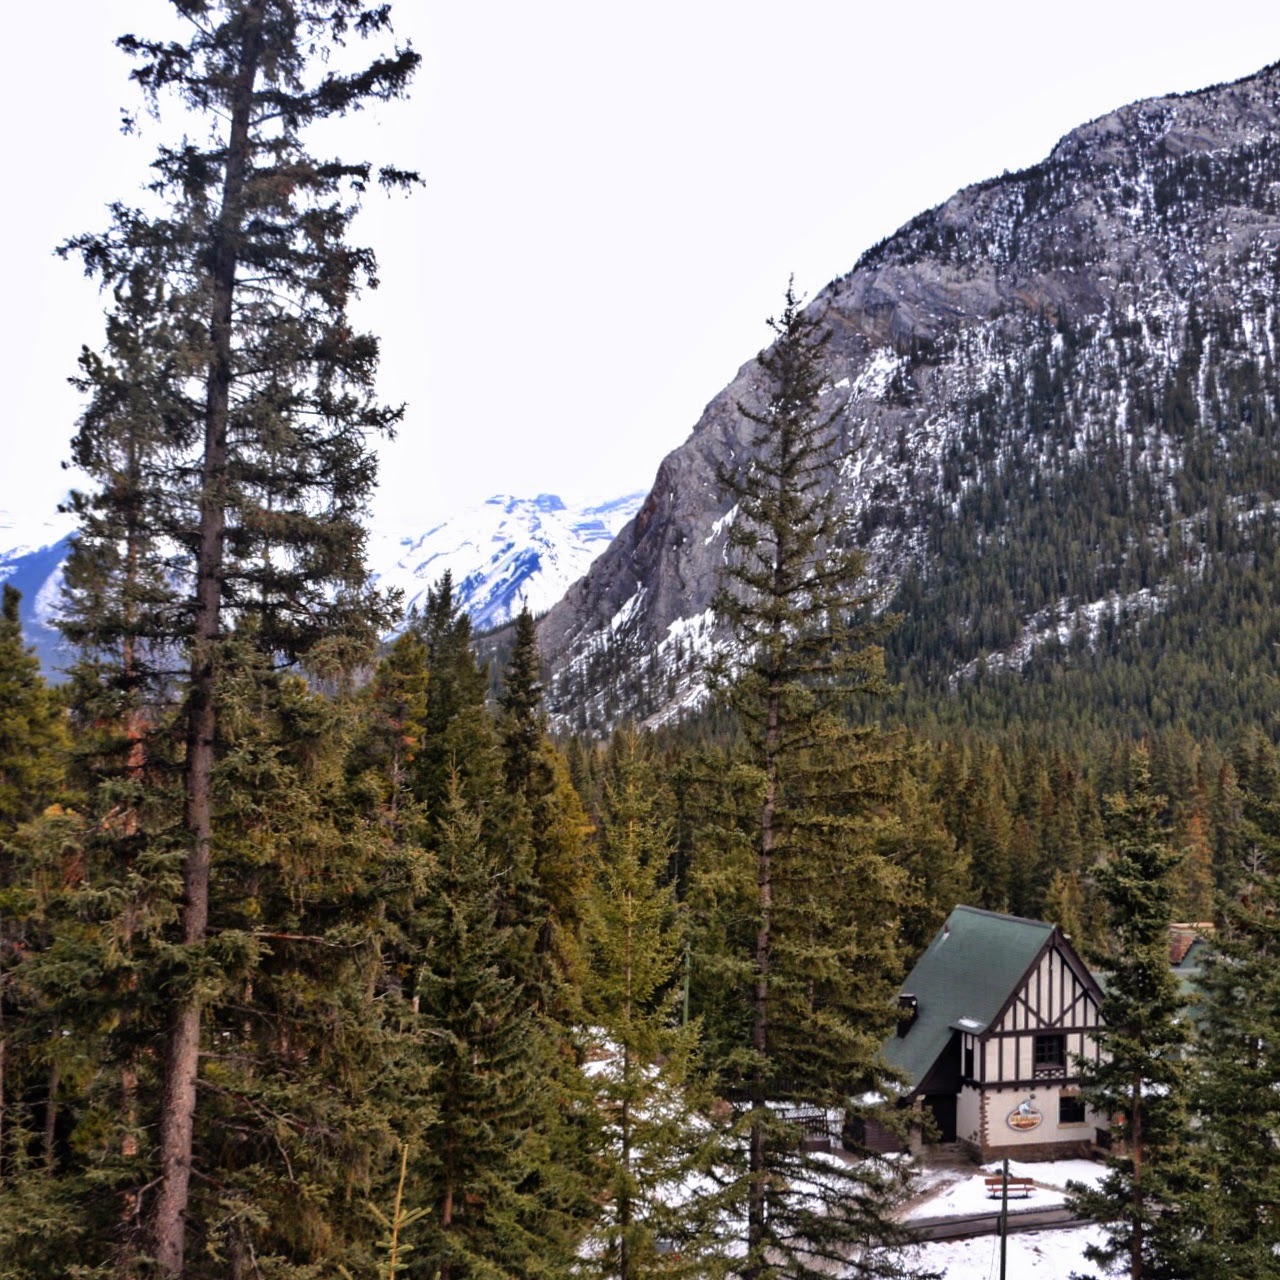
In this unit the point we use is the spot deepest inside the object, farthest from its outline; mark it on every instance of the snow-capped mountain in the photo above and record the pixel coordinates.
(32, 562)
(502, 553)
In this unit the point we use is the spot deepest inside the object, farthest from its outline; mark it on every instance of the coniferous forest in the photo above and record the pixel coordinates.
(320, 956)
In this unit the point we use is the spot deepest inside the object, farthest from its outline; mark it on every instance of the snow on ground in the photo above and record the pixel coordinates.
(1053, 1173)
(942, 1192)
(1037, 1255)
(969, 1195)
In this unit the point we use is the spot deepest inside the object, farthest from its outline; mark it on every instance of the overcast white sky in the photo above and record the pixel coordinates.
(615, 197)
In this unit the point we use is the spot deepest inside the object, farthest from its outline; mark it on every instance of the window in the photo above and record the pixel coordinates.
(1071, 1109)
(968, 1061)
(1050, 1053)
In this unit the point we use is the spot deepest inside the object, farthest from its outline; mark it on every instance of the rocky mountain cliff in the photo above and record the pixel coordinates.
(1059, 397)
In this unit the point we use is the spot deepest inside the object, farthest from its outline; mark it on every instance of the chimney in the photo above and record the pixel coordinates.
(1181, 936)
(908, 1010)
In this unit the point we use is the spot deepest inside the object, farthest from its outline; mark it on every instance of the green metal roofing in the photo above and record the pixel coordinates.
(963, 979)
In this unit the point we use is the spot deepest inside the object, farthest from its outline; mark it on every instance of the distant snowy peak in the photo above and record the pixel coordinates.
(503, 553)
(33, 565)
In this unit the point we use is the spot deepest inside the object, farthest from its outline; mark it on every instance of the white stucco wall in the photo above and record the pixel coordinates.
(1001, 1102)
(969, 1115)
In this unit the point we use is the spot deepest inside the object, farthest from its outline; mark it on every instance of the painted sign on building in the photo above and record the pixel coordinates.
(1024, 1116)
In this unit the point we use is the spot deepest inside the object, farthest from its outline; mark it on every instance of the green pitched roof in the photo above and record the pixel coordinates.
(963, 979)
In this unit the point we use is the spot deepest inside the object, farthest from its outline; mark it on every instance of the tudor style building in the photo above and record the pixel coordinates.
(991, 1021)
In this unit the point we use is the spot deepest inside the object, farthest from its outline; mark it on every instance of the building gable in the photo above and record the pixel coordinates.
(1047, 1023)
(1056, 991)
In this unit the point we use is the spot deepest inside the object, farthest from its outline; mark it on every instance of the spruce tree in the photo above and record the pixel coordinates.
(227, 428)
(303, 1070)
(659, 1149)
(308, 1076)
(482, 1168)
(46, 1059)
(820, 963)
(916, 840)
(33, 738)
(1236, 1106)
(394, 727)
(546, 830)
(1141, 1079)
(458, 740)
(523, 721)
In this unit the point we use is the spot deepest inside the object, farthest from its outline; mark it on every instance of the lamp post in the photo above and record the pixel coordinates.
(1004, 1219)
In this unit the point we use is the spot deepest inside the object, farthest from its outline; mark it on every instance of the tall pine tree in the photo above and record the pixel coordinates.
(820, 966)
(242, 468)
(482, 1168)
(546, 829)
(660, 1212)
(458, 740)
(1236, 1105)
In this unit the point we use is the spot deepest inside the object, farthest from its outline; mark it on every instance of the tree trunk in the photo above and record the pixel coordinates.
(177, 1115)
(2, 1068)
(51, 1112)
(760, 1021)
(624, 1200)
(1135, 1254)
(129, 1108)
(760, 1024)
(446, 1222)
(393, 1264)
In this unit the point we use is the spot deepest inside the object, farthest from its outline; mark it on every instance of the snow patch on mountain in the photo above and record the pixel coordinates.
(1066, 622)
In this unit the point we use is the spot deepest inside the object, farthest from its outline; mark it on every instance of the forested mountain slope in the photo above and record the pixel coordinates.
(1059, 414)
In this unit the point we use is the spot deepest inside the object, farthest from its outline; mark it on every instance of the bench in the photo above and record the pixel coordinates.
(1017, 1186)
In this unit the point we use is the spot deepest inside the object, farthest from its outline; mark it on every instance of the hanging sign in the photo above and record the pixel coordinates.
(1024, 1117)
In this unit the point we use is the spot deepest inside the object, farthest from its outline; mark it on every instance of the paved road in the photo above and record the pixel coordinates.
(961, 1226)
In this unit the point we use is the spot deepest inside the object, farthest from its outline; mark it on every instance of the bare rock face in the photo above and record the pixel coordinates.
(997, 330)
